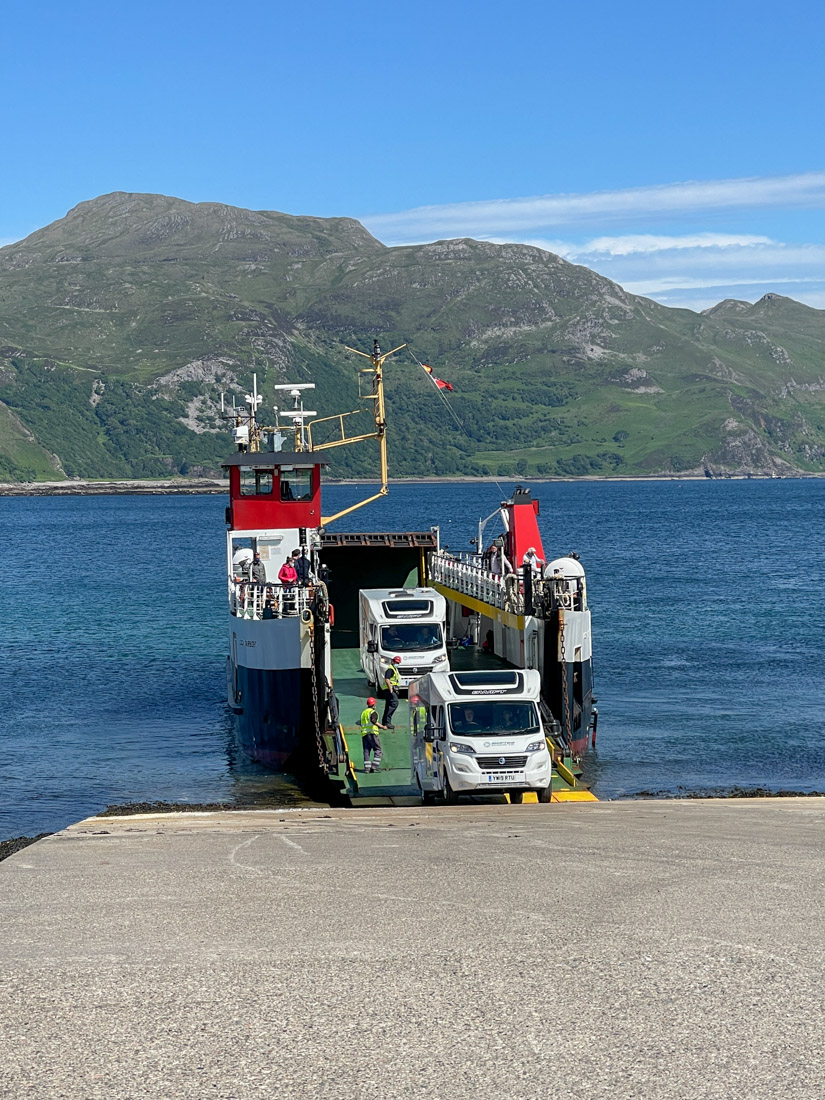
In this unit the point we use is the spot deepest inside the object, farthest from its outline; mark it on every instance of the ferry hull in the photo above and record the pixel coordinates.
(274, 717)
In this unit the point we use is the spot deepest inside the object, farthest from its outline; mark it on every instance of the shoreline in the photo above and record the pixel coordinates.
(210, 486)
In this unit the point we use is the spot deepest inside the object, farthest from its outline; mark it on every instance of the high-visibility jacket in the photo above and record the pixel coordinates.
(368, 724)
(392, 679)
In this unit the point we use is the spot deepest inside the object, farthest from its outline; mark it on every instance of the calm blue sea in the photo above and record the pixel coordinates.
(708, 605)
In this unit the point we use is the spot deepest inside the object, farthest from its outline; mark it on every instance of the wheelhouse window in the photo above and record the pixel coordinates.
(296, 484)
(256, 483)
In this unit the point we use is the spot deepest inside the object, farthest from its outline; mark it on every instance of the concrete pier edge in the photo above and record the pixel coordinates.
(624, 949)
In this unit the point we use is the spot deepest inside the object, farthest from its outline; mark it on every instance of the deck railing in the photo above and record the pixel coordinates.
(268, 601)
(470, 575)
(467, 574)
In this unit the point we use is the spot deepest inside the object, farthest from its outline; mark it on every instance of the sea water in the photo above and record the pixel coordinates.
(708, 602)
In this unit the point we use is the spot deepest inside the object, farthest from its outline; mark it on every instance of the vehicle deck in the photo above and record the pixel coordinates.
(394, 783)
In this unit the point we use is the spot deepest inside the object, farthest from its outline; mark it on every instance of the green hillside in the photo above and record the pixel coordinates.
(121, 323)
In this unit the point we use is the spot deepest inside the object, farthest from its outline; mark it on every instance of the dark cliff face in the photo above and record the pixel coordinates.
(121, 323)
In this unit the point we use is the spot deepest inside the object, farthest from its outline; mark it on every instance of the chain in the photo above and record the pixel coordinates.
(316, 710)
(564, 681)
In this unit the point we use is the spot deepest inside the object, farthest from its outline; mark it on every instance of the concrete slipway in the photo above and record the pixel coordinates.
(662, 949)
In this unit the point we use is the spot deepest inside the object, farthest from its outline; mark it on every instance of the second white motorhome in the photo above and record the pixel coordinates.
(401, 622)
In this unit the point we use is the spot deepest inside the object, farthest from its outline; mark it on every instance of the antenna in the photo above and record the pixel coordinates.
(253, 399)
(297, 414)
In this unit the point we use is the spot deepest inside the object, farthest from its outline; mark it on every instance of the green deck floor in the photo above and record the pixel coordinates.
(350, 685)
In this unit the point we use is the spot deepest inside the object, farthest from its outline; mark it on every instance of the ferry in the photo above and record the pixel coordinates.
(295, 680)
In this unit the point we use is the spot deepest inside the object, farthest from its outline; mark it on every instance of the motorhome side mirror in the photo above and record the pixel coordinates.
(430, 733)
(372, 647)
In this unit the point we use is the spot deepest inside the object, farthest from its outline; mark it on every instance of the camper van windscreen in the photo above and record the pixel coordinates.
(408, 607)
(480, 718)
(411, 637)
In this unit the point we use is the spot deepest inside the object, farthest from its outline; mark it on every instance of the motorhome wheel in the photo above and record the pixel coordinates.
(447, 792)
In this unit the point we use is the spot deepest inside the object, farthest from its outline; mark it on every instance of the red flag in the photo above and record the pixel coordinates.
(442, 385)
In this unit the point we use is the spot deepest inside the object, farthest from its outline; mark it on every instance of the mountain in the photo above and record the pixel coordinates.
(121, 323)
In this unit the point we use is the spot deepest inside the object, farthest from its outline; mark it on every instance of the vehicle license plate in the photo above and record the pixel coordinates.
(503, 777)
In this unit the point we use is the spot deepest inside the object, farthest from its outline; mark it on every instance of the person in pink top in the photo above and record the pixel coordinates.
(288, 574)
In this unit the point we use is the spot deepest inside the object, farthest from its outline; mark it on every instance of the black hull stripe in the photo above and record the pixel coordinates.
(274, 717)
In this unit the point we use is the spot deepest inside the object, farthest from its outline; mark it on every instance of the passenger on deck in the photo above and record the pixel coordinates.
(531, 558)
(257, 570)
(288, 578)
(497, 557)
(287, 574)
(303, 566)
(488, 645)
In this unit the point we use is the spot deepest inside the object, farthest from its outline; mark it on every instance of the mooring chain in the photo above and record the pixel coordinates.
(319, 739)
(564, 683)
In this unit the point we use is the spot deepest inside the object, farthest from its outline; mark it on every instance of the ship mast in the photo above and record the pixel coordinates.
(373, 377)
(247, 431)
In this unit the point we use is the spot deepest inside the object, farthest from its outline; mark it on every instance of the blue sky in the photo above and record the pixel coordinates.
(676, 148)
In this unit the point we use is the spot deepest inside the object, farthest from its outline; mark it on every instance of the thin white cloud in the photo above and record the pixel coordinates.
(776, 259)
(648, 242)
(639, 243)
(676, 275)
(803, 190)
(693, 270)
(652, 287)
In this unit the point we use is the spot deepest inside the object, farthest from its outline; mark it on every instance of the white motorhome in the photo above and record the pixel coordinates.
(401, 622)
(479, 731)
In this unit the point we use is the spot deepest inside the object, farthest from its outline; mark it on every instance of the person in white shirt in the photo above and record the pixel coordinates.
(531, 558)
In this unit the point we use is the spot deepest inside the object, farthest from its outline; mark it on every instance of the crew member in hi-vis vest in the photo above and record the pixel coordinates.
(369, 737)
(392, 682)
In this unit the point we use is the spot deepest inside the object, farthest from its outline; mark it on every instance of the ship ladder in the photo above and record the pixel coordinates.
(567, 729)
